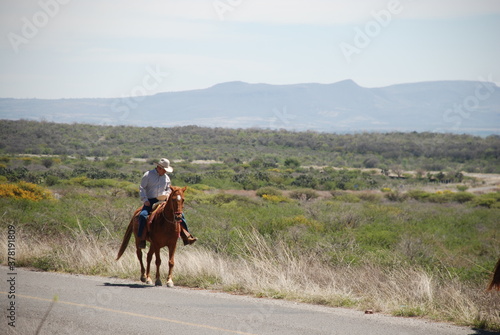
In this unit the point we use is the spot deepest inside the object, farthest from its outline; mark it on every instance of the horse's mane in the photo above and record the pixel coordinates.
(157, 211)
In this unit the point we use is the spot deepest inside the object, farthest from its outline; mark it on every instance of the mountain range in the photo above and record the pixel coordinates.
(441, 106)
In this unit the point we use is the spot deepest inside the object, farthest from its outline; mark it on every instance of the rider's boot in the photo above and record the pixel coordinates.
(187, 238)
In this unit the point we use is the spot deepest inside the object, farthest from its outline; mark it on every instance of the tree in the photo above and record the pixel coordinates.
(47, 162)
(292, 163)
(370, 162)
(398, 170)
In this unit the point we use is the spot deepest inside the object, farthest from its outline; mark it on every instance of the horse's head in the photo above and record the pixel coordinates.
(177, 198)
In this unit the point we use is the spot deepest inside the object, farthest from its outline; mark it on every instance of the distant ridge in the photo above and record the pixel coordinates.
(441, 106)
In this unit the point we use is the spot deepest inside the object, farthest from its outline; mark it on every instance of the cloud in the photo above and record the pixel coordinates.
(205, 18)
(331, 12)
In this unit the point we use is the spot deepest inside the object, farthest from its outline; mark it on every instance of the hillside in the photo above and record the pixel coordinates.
(411, 151)
(343, 107)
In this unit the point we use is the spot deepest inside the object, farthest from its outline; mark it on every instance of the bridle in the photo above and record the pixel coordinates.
(177, 214)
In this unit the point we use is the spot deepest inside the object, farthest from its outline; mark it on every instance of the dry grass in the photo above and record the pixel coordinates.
(273, 271)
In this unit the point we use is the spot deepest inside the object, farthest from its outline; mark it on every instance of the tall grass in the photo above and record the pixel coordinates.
(274, 270)
(360, 251)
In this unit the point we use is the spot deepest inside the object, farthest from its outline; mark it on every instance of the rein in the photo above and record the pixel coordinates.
(175, 214)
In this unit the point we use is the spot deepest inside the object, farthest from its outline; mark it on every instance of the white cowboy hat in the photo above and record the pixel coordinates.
(165, 163)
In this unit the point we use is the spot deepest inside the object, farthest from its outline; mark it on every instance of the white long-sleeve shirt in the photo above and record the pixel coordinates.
(153, 185)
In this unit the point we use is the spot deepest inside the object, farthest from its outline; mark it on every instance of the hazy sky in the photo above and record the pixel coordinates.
(114, 48)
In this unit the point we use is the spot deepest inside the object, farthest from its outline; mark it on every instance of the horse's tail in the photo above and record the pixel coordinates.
(126, 239)
(495, 279)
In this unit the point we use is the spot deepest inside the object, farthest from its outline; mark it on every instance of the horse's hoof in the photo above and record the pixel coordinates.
(149, 281)
(143, 278)
(170, 283)
(158, 282)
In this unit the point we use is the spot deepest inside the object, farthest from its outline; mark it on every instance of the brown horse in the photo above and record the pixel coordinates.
(495, 279)
(163, 230)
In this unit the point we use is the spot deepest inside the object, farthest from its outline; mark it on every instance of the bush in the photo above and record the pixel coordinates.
(345, 197)
(490, 200)
(305, 181)
(110, 163)
(370, 197)
(292, 163)
(441, 197)
(191, 178)
(47, 162)
(462, 197)
(396, 196)
(52, 180)
(418, 195)
(275, 198)
(304, 194)
(24, 190)
(269, 191)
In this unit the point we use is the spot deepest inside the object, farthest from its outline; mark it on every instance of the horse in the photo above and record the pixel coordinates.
(495, 279)
(163, 230)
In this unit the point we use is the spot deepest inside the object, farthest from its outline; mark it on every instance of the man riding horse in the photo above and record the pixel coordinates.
(155, 186)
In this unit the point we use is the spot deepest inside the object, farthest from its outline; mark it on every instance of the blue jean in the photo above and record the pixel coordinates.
(143, 215)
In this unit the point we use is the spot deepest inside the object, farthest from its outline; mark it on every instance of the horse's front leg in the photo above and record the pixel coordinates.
(148, 268)
(171, 263)
(158, 263)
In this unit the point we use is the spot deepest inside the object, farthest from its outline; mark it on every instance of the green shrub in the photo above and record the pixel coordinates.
(441, 197)
(52, 180)
(47, 162)
(489, 200)
(200, 187)
(396, 196)
(305, 194)
(223, 198)
(292, 163)
(192, 178)
(305, 180)
(283, 223)
(269, 191)
(275, 198)
(345, 197)
(111, 163)
(370, 197)
(462, 197)
(418, 195)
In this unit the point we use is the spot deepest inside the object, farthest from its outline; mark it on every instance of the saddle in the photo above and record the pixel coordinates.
(187, 238)
(155, 210)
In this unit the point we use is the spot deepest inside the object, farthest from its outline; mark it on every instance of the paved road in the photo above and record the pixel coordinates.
(98, 305)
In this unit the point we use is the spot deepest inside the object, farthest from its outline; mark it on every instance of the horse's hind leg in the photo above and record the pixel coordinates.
(158, 263)
(143, 270)
(138, 250)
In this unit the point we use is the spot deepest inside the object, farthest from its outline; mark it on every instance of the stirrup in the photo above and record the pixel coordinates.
(189, 240)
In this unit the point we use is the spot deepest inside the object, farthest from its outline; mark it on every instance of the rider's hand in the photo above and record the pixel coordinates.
(147, 203)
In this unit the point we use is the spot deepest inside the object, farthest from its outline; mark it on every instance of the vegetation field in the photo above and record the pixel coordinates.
(391, 235)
